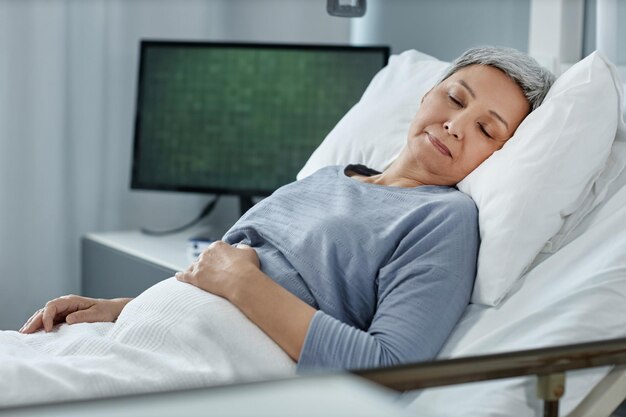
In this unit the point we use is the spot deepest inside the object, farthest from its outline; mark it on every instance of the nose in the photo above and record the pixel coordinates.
(454, 127)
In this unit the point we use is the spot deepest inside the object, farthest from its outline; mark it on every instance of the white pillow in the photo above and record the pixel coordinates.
(523, 192)
(543, 173)
(614, 166)
(374, 131)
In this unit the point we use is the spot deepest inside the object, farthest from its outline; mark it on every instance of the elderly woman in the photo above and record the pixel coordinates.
(355, 268)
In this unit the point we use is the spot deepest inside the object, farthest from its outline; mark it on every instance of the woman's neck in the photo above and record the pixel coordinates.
(393, 176)
(388, 178)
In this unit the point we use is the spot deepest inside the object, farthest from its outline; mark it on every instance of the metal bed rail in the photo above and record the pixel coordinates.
(548, 364)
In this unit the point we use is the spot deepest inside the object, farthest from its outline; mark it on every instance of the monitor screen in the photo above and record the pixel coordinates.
(231, 118)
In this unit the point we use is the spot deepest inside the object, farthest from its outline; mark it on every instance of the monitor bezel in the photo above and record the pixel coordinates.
(135, 184)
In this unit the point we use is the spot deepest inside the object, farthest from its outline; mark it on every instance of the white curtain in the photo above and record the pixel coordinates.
(66, 108)
(68, 71)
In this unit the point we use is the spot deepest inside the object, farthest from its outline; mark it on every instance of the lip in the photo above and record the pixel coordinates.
(440, 146)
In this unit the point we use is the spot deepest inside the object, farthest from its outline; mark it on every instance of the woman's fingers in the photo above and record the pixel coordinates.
(84, 316)
(180, 275)
(186, 276)
(31, 318)
(49, 313)
(33, 323)
(251, 253)
(61, 308)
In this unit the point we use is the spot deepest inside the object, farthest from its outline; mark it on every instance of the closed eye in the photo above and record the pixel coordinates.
(482, 129)
(455, 100)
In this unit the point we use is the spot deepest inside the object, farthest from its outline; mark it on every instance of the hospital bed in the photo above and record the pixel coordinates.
(565, 322)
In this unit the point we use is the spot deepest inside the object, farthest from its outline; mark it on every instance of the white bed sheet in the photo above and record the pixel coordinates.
(576, 295)
(173, 336)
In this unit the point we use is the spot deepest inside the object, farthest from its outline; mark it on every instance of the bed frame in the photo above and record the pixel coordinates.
(549, 364)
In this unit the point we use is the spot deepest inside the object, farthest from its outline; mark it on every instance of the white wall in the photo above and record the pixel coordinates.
(446, 28)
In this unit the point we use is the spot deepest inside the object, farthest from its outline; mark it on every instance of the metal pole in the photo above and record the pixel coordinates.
(551, 409)
(550, 388)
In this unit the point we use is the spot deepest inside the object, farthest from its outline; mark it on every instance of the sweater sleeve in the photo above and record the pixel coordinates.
(422, 292)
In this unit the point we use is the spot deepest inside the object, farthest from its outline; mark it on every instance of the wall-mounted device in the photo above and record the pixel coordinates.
(346, 8)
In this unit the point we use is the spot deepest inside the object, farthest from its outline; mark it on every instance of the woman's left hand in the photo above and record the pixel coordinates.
(220, 268)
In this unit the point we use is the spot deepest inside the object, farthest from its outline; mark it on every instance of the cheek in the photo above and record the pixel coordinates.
(423, 118)
(415, 127)
(477, 154)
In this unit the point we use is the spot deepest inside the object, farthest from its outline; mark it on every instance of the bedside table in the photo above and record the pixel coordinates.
(124, 264)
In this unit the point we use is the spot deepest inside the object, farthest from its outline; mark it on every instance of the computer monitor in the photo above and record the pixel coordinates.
(240, 118)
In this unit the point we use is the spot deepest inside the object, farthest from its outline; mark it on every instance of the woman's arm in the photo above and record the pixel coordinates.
(234, 273)
(416, 311)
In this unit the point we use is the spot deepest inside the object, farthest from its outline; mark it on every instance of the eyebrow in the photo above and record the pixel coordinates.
(496, 115)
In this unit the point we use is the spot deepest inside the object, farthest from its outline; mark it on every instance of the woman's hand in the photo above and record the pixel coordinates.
(74, 309)
(220, 268)
(235, 274)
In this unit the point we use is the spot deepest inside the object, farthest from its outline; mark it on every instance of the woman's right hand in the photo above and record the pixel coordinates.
(74, 309)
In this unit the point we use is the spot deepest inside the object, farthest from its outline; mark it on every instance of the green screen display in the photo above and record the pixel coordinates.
(238, 118)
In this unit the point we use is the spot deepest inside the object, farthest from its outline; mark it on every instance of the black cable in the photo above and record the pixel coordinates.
(205, 212)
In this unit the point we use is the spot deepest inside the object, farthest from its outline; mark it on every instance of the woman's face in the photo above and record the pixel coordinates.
(462, 121)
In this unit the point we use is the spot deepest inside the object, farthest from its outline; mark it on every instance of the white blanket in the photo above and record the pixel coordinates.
(173, 336)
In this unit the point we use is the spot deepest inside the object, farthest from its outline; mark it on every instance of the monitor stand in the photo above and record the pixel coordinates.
(245, 204)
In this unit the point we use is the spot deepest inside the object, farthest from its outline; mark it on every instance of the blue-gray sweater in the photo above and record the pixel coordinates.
(389, 269)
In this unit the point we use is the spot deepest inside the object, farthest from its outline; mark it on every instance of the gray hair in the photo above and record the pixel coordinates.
(534, 80)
